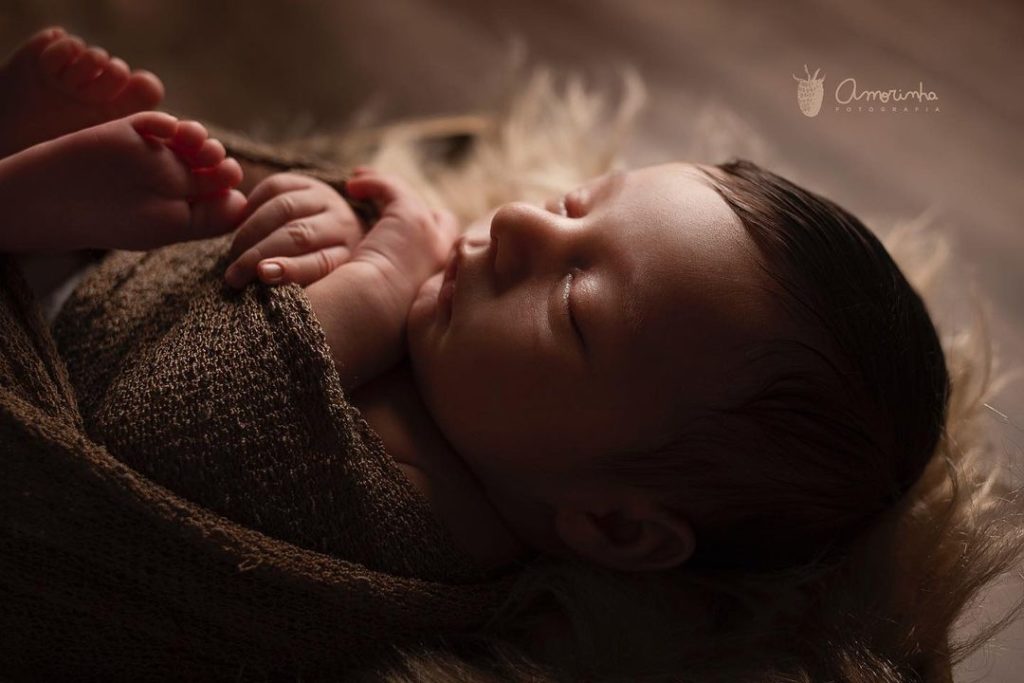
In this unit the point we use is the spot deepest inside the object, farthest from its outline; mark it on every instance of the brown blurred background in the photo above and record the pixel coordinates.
(720, 84)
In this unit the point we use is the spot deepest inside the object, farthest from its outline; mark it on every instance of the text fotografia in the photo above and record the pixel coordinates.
(851, 99)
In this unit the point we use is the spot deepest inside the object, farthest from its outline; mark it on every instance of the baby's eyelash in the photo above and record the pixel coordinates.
(568, 306)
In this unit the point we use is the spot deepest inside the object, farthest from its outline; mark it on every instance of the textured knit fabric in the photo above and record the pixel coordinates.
(185, 492)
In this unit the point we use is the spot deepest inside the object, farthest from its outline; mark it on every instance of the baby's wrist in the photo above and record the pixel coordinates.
(393, 277)
(363, 312)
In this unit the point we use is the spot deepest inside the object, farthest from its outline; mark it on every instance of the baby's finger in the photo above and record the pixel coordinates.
(305, 269)
(298, 237)
(270, 187)
(448, 224)
(445, 233)
(374, 188)
(279, 211)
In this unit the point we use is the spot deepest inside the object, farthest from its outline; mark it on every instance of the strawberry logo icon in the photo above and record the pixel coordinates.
(809, 92)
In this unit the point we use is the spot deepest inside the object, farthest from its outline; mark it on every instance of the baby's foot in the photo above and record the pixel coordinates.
(54, 84)
(135, 183)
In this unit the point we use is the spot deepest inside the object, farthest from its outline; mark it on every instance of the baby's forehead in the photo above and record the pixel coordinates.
(690, 279)
(681, 169)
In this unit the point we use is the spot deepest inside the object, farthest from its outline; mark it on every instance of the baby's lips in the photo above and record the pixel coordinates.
(451, 267)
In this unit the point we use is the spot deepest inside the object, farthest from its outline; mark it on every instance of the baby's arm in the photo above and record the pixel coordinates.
(357, 305)
(363, 304)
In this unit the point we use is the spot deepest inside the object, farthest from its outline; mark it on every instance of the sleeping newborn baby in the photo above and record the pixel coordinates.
(678, 365)
(672, 365)
(552, 338)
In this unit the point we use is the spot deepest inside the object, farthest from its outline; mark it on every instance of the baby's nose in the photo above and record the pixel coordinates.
(519, 238)
(520, 220)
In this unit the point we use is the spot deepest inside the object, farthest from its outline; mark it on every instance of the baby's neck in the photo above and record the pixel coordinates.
(392, 406)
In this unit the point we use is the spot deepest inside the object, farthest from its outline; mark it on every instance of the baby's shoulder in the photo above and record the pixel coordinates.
(391, 405)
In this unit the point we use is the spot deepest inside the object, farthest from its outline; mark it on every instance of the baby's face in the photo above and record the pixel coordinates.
(570, 335)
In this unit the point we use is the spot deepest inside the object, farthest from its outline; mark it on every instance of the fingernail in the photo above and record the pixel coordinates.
(271, 272)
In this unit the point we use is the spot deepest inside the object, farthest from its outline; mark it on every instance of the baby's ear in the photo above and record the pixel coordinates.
(639, 536)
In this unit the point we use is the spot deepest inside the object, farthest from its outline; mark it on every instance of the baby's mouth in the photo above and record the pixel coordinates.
(446, 296)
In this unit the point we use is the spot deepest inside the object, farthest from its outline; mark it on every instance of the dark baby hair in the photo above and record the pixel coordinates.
(846, 418)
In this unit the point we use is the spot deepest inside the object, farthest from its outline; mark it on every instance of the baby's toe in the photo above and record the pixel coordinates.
(216, 215)
(144, 91)
(59, 54)
(155, 124)
(208, 182)
(84, 69)
(40, 40)
(210, 153)
(188, 139)
(112, 80)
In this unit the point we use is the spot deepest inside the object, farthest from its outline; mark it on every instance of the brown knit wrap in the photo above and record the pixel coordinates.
(216, 508)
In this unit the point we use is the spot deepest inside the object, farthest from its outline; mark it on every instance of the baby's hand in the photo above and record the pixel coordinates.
(294, 229)
(410, 242)
(364, 304)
